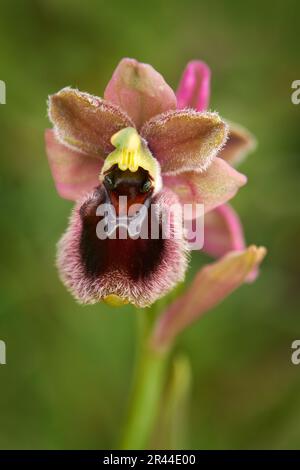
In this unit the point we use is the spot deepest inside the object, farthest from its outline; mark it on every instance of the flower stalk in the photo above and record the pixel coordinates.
(149, 381)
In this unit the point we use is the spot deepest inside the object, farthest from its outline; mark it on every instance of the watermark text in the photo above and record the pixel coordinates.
(152, 221)
(2, 92)
(295, 97)
(2, 352)
(295, 357)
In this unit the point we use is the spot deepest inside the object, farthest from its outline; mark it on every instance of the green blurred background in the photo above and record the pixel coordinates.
(69, 368)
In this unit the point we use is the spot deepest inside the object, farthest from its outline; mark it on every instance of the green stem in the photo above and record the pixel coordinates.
(148, 385)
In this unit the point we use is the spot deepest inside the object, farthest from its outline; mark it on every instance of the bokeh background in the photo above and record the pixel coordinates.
(69, 368)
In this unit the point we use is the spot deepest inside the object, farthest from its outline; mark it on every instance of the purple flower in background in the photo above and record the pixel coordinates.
(144, 142)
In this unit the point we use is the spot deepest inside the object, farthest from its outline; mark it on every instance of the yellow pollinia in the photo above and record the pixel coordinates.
(132, 153)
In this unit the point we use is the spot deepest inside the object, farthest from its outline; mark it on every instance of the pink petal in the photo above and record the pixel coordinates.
(223, 231)
(194, 87)
(139, 271)
(85, 122)
(74, 173)
(211, 285)
(140, 90)
(185, 140)
(213, 187)
(240, 142)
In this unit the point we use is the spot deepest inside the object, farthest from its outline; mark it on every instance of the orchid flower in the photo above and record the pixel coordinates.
(154, 147)
(174, 160)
